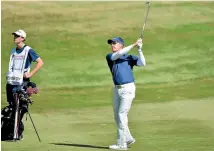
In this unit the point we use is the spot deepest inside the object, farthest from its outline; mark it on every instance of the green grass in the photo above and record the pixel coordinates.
(160, 126)
(173, 108)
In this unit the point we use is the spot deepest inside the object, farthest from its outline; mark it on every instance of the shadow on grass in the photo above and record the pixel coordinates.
(81, 145)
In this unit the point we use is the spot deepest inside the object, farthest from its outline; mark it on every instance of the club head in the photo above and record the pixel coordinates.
(147, 3)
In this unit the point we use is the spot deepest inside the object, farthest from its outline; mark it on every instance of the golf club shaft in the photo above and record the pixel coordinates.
(16, 121)
(142, 31)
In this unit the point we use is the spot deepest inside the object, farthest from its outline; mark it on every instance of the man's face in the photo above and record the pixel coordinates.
(18, 39)
(115, 46)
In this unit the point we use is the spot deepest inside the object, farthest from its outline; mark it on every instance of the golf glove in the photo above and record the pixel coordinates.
(140, 45)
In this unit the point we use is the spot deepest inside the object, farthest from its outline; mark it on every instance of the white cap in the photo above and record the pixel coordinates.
(20, 33)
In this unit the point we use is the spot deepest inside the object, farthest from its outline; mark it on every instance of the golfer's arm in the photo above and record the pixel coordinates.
(141, 60)
(121, 52)
(38, 66)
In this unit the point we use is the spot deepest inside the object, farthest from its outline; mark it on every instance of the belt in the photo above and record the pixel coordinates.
(118, 86)
(122, 86)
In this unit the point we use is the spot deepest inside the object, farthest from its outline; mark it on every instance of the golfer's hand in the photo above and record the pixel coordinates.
(27, 75)
(139, 41)
(140, 45)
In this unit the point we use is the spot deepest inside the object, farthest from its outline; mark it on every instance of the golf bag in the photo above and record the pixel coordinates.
(8, 113)
(7, 123)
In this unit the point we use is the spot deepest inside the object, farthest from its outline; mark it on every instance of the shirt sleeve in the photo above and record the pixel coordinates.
(13, 51)
(33, 55)
(141, 60)
(121, 52)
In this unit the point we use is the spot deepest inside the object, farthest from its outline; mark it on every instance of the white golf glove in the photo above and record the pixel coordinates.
(140, 45)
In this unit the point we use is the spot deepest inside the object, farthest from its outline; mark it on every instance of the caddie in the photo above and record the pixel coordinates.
(121, 66)
(20, 61)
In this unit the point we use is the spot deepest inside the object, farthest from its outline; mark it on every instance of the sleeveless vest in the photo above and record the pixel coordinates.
(17, 66)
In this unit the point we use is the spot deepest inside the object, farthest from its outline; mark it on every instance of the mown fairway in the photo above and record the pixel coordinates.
(174, 105)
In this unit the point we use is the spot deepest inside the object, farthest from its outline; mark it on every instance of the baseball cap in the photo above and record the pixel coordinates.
(116, 39)
(20, 33)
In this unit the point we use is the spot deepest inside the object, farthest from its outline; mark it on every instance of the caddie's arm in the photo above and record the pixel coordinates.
(125, 50)
(37, 67)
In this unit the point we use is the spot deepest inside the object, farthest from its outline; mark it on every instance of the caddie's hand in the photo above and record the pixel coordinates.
(27, 75)
(137, 42)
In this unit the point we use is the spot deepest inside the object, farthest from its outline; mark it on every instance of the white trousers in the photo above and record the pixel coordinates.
(122, 101)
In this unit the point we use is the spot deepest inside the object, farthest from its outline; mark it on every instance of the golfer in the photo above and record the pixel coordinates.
(121, 65)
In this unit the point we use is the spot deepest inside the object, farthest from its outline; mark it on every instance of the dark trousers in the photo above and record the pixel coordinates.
(23, 106)
(9, 93)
